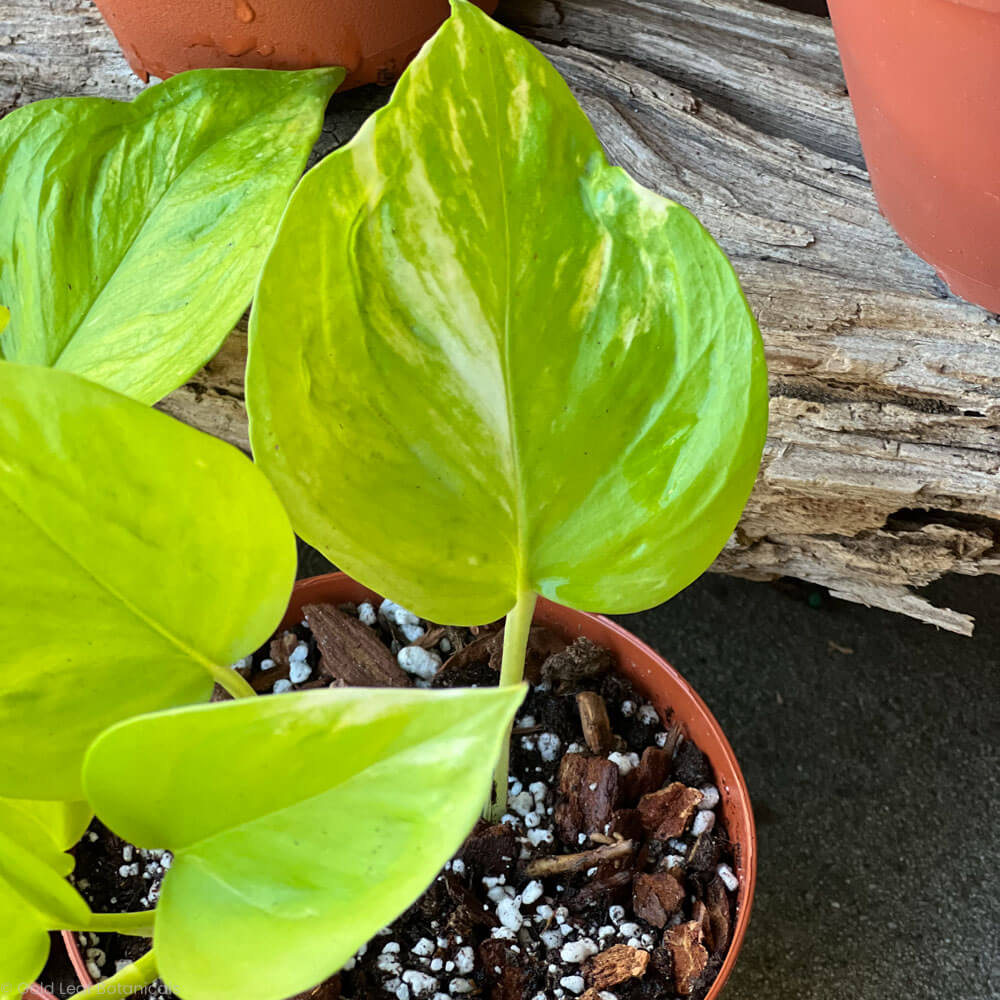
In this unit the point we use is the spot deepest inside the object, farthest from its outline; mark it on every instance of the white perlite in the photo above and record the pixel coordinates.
(648, 716)
(398, 615)
(540, 835)
(574, 984)
(548, 746)
(627, 762)
(728, 877)
(366, 614)
(522, 803)
(704, 821)
(578, 951)
(412, 632)
(709, 796)
(509, 914)
(420, 982)
(280, 687)
(532, 892)
(420, 662)
(299, 671)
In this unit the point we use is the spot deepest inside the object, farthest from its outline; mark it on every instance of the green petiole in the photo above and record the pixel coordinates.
(515, 646)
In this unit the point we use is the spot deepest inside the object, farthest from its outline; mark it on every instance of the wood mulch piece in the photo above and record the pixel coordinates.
(352, 653)
(667, 812)
(616, 965)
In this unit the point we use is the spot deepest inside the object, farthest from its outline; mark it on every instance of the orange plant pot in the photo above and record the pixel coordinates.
(653, 676)
(373, 39)
(924, 80)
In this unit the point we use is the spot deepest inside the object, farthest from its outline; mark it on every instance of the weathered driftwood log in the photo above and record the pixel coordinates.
(882, 471)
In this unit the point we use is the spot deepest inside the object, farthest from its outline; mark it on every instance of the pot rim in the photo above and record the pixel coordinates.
(314, 586)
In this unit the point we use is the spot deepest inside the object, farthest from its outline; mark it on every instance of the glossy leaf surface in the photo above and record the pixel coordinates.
(300, 823)
(34, 895)
(483, 361)
(131, 234)
(138, 556)
(64, 821)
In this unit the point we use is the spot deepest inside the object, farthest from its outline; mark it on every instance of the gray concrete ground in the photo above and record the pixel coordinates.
(870, 746)
(869, 743)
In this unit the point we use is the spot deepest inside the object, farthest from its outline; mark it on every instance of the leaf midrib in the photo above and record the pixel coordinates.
(520, 511)
(140, 231)
(137, 612)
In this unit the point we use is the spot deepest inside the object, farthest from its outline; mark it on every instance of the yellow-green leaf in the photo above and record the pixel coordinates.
(139, 558)
(131, 235)
(65, 822)
(485, 362)
(300, 824)
(34, 895)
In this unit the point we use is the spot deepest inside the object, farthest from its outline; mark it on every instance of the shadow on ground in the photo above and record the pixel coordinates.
(869, 743)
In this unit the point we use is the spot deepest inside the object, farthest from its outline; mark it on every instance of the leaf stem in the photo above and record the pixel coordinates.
(130, 980)
(137, 924)
(232, 681)
(515, 645)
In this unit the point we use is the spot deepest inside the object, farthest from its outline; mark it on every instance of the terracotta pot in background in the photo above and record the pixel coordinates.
(654, 677)
(373, 39)
(924, 80)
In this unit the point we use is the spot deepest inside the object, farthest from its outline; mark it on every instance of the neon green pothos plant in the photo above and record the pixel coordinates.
(131, 234)
(521, 372)
(484, 365)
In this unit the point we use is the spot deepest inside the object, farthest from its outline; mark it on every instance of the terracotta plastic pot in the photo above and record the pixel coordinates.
(373, 39)
(654, 677)
(36, 992)
(924, 79)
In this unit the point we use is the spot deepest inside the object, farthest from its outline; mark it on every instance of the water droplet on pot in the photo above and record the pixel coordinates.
(266, 49)
(234, 46)
(244, 11)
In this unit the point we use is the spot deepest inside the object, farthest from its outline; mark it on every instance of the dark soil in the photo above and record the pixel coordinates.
(607, 877)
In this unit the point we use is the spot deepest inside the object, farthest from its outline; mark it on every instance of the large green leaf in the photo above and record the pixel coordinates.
(300, 824)
(34, 896)
(139, 556)
(131, 235)
(484, 362)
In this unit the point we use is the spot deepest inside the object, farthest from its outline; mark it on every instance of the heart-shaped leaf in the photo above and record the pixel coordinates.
(139, 558)
(131, 235)
(34, 895)
(484, 362)
(300, 824)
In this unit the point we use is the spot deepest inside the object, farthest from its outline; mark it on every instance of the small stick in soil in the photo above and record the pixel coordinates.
(595, 722)
(560, 864)
(673, 738)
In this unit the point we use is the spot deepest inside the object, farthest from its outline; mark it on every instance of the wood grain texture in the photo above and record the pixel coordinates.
(882, 469)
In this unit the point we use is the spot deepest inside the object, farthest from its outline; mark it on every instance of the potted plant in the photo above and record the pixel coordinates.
(495, 371)
(654, 678)
(372, 39)
(923, 77)
(131, 234)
